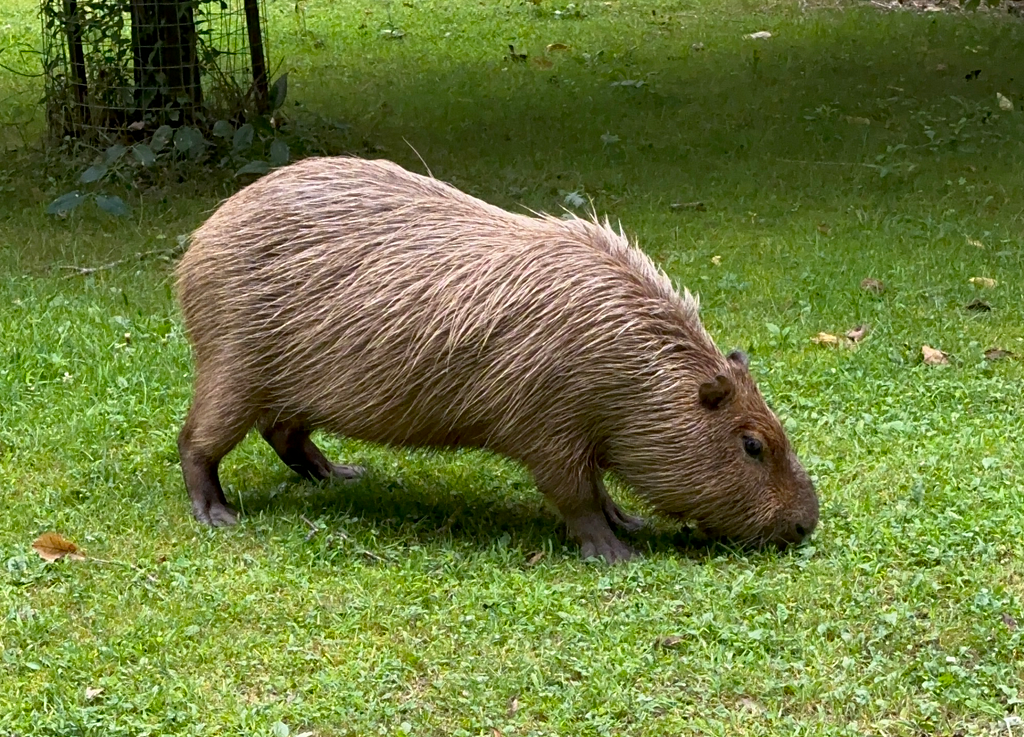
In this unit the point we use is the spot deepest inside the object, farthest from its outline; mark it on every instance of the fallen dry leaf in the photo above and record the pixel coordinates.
(825, 339)
(750, 705)
(978, 305)
(716, 260)
(495, 732)
(872, 285)
(759, 35)
(824, 228)
(1005, 103)
(535, 558)
(933, 356)
(983, 281)
(513, 706)
(857, 334)
(997, 354)
(92, 693)
(50, 546)
(667, 642)
(542, 63)
(1009, 621)
(975, 243)
(557, 47)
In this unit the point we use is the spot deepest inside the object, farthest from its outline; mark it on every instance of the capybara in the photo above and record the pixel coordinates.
(359, 298)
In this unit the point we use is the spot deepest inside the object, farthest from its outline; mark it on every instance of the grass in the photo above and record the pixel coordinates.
(834, 151)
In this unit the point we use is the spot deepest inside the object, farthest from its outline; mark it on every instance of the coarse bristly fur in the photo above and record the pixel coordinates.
(356, 297)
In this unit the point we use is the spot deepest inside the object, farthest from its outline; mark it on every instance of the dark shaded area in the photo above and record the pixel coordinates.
(793, 119)
(166, 59)
(120, 67)
(401, 511)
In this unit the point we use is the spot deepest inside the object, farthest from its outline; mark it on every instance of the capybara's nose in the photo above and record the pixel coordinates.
(791, 533)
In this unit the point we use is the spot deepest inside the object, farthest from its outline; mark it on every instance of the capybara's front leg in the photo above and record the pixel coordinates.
(216, 423)
(577, 500)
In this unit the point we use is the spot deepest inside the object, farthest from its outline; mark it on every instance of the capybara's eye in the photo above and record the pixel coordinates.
(752, 446)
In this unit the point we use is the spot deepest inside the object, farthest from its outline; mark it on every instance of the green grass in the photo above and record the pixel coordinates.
(414, 610)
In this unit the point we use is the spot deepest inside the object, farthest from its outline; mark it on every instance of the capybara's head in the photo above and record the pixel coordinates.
(737, 476)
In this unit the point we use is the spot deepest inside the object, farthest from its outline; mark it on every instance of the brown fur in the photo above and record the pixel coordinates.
(374, 303)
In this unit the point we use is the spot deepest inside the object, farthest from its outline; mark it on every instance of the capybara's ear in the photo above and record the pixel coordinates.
(713, 394)
(740, 358)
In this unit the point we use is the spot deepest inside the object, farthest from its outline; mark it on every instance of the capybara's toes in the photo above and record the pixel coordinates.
(611, 550)
(623, 521)
(347, 473)
(217, 515)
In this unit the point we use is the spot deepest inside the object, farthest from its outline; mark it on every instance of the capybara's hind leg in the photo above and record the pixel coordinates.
(291, 441)
(213, 427)
(578, 502)
(616, 517)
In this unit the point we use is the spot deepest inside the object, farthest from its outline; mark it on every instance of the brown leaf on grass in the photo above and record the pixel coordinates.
(872, 285)
(933, 356)
(495, 732)
(50, 546)
(535, 558)
(983, 282)
(748, 704)
(825, 339)
(668, 642)
(542, 63)
(824, 228)
(92, 693)
(1009, 621)
(997, 354)
(557, 47)
(513, 706)
(858, 333)
(978, 305)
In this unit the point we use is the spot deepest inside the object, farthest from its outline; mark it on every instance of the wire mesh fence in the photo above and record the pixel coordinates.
(117, 68)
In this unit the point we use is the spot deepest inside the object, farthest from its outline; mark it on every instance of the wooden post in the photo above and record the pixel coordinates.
(259, 61)
(76, 55)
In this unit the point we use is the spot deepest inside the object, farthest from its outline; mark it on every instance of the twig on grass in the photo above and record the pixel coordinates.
(87, 270)
(313, 529)
(832, 163)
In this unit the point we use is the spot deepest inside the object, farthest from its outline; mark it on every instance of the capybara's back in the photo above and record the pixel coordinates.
(359, 298)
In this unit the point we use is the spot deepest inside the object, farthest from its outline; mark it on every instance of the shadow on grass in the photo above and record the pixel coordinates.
(803, 115)
(840, 109)
(404, 513)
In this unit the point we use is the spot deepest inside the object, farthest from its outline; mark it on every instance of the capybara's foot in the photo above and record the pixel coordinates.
(596, 538)
(215, 514)
(611, 549)
(346, 473)
(620, 520)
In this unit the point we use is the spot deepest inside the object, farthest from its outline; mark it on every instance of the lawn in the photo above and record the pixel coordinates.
(438, 596)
